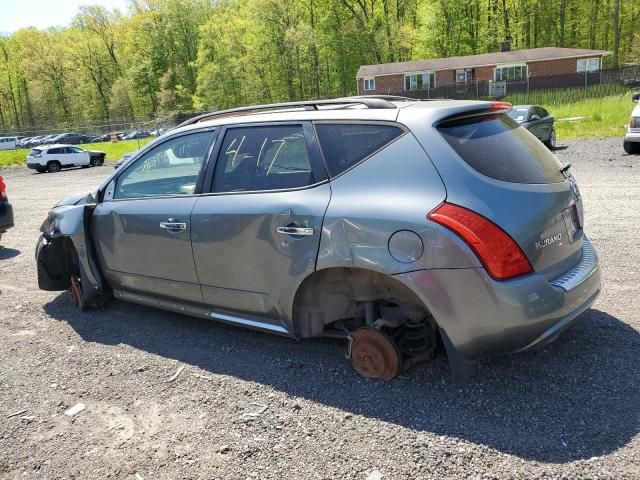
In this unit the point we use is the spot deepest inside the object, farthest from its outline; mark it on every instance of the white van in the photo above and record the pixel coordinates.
(8, 143)
(632, 138)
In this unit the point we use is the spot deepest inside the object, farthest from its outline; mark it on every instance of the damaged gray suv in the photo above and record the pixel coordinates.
(398, 225)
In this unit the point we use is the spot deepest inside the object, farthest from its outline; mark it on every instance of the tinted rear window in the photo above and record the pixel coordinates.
(344, 145)
(498, 148)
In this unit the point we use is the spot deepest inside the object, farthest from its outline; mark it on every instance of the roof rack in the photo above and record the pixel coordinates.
(377, 102)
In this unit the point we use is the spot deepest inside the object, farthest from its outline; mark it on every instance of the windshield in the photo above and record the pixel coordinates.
(519, 114)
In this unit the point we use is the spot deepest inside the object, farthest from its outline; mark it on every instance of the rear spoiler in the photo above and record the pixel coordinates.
(478, 110)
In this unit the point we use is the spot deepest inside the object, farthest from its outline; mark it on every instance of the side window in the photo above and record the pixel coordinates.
(344, 145)
(75, 150)
(263, 158)
(170, 168)
(55, 151)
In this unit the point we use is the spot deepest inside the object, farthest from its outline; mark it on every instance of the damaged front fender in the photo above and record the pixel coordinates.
(65, 249)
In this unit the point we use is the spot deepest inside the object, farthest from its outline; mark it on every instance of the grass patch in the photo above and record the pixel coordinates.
(603, 117)
(114, 151)
(563, 96)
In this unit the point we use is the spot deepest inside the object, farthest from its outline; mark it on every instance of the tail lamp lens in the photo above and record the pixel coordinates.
(498, 252)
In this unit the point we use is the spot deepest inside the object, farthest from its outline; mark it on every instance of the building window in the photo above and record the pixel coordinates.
(510, 73)
(419, 81)
(464, 75)
(369, 83)
(588, 65)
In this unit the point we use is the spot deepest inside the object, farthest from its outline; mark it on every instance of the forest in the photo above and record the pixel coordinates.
(160, 57)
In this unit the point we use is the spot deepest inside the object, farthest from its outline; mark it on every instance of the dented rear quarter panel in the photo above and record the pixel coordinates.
(392, 191)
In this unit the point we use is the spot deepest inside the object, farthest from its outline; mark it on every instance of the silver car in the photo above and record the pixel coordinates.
(400, 226)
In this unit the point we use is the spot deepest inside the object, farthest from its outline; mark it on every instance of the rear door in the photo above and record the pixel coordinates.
(256, 236)
(513, 180)
(142, 229)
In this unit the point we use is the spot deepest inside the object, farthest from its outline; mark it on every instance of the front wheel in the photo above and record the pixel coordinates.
(97, 162)
(631, 148)
(551, 142)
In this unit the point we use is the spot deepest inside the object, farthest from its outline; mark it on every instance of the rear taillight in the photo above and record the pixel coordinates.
(498, 252)
(3, 190)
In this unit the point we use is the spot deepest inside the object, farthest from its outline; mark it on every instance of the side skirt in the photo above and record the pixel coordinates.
(223, 316)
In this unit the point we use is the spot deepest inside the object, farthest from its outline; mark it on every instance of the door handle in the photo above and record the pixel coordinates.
(173, 226)
(299, 231)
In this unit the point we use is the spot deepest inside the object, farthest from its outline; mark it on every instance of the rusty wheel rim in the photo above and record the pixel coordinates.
(374, 355)
(75, 291)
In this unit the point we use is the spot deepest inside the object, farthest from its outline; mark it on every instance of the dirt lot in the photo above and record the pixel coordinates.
(252, 406)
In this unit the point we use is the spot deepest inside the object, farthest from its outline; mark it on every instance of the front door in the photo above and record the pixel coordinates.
(256, 237)
(142, 230)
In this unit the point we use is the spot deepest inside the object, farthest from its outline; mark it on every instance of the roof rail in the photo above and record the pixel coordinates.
(378, 102)
(390, 98)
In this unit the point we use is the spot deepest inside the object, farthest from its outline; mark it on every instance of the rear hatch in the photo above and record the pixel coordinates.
(511, 178)
(35, 153)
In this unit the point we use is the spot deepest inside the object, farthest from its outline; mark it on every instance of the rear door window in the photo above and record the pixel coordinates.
(263, 158)
(496, 146)
(344, 144)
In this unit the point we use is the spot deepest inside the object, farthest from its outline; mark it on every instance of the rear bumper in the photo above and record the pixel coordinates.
(484, 317)
(6, 216)
(33, 166)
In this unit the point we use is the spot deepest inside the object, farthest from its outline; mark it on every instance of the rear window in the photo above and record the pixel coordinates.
(498, 148)
(34, 152)
(344, 145)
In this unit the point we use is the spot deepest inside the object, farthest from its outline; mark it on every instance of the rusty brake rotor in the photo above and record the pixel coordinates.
(75, 291)
(374, 354)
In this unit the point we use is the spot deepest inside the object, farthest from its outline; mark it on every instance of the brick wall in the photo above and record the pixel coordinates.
(445, 77)
(384, 85)
(483, 73)
(562, 66)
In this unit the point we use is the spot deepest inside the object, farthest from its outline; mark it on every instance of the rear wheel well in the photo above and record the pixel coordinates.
(335, 294)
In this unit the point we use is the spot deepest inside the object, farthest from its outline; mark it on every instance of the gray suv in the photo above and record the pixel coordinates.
(398, 225)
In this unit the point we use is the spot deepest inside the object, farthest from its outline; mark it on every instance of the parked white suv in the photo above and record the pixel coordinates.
(53, 158)
(632, 138)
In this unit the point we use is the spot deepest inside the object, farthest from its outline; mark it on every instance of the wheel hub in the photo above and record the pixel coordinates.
(374, 354)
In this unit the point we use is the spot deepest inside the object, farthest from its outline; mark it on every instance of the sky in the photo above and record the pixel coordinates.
(16, 14)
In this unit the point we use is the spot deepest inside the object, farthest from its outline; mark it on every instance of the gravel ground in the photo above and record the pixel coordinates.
(247, 405)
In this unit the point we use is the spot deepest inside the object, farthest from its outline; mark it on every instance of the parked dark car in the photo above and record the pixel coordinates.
(107, 136)
(6, 211)
(137, 134)
(39, 140)
(537, 120)
(69, 139)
